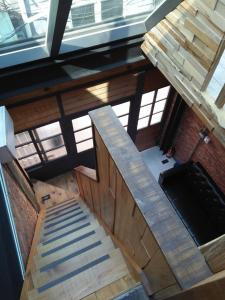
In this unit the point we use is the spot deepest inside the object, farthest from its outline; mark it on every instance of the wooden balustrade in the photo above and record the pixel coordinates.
(127, 199)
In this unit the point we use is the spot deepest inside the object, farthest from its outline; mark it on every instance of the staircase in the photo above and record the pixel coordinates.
(72, 257)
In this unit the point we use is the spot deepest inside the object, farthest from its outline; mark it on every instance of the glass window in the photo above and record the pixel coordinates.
(30, 161)
(48, 130)
(82, 122)
(145, 111)
(163, 93)
(159, 106)
(124, 120)
(111, 9)
(147, 98)
(23, 138)
(83, 133)
(23, 24)
(122, 112)
(25, 150)
(152, 107)
(142, 123)
(156, 118)
(83, 146)
(83, 15)
(121, 109)
(102, 21)
(56, 153)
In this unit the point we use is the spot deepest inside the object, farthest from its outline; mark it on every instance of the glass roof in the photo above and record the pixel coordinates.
(25, 25)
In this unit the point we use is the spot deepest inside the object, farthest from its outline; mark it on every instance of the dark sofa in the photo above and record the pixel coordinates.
(197, 200)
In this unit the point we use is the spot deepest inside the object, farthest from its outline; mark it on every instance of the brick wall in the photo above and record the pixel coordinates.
(211, 156)
(24, 214)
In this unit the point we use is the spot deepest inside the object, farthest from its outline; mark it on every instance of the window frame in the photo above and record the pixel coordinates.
(153, 103)
(56, 45)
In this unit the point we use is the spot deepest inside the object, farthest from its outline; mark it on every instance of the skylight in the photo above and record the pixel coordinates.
(23, 24)
(35, 29)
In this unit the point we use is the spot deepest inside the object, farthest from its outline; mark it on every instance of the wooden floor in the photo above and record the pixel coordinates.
(72, 257)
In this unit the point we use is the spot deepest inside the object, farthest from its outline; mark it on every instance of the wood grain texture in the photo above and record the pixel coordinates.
(136, 186)
(186, 47)
(35, 114)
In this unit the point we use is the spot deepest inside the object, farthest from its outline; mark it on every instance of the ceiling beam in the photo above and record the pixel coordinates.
(58, 15)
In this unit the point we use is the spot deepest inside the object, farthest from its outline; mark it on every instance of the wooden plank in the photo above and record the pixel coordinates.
(35, 114)
(158, 268)
(87, 282)
(42, 278)
(167, 228)
(214, 253)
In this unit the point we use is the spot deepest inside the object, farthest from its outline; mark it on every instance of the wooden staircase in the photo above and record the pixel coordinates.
(72, 257)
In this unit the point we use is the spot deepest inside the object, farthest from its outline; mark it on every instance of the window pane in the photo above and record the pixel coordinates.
(163, 93)
(56, 153)
(159, 106)
(111, 9)
(145, 111)
(85, 146)
(156, 118)
(22, 21)
(83, 15)
(82, 122)
(30, 161)
(124, 120)
(142, 123)
(83, 135)
(54, 142)
(48, 130)
(22, 138)
(147, 98)
(25, 150)
(121, 109)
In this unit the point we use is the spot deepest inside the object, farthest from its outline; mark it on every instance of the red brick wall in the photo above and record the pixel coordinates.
(211, 156)
(24, 214)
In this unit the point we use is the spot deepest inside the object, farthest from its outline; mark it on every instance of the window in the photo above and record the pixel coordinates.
(83, 133)
(152, 107)
(23, 23)
(122, 112)
(40, 145)
(111, 9)
(83, 15)
(217, 81)
(27, 27)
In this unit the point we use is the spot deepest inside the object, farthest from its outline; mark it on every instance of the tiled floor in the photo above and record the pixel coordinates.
(153, 158)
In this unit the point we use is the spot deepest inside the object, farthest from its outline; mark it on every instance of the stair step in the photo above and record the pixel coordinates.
(66, 227)
(40, 261)
(66, 218)
(63, 215)
(103, 272)
(50, 208)
(76, 235)
(59, 211)
(70, 264)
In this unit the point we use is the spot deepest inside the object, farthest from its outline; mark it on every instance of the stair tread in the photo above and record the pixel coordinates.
(40, 261)
(67, 227)
(74, 235)
(86, 282)
(59, 270)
